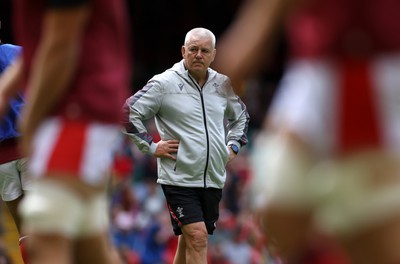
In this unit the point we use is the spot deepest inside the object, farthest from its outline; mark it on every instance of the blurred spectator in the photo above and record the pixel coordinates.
(237, 249)
(128, 220)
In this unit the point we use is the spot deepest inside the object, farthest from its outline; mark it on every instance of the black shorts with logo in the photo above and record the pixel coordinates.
(189, 205)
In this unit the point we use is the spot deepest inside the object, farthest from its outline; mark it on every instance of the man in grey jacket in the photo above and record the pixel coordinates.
(190, 103)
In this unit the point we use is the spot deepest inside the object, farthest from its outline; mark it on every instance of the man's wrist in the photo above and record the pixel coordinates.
(234, 148)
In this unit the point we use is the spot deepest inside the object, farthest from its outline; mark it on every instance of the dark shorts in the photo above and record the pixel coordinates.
(189, 205)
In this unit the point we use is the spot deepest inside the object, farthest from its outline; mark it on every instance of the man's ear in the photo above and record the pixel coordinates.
(214, 53)
(183, 51)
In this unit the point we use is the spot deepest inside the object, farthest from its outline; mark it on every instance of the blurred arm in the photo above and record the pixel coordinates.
(54, 64)
(10, 83)
(247, 40)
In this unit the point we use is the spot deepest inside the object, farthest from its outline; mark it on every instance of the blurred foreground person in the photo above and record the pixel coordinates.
(329, 158)
(76, 70)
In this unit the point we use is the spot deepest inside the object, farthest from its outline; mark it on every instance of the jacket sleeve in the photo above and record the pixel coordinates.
(237, 119)
(138, 108)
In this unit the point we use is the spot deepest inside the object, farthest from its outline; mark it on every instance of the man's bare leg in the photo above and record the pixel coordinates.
(180, 255)
(196, 239)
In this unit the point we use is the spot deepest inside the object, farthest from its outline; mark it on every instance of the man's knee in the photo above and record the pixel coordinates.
(196, 236)
(199, 239)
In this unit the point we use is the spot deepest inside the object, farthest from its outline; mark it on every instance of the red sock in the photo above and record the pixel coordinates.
(22, 247)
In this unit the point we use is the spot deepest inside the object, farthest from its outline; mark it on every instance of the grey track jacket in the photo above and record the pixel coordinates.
(193, 115)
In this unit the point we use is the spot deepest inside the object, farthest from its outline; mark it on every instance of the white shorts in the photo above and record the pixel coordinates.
(14, 179)
(75, 148)
(345, 195)
(51, 208)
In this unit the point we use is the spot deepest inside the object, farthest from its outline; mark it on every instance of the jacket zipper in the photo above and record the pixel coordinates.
(205, 126)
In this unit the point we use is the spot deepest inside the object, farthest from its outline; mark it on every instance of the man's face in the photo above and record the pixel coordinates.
(198, 54)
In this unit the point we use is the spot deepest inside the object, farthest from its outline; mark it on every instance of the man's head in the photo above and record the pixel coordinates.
(198, 51)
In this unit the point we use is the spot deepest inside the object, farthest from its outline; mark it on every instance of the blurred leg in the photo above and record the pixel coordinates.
(291, 231)
(96, 249)
(49, 249)
(379, 244)
(13, 209)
